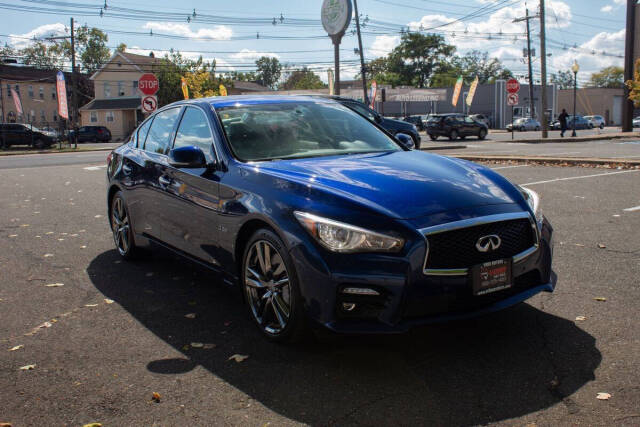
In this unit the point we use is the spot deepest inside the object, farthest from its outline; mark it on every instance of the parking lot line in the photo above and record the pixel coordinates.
(580, 177)
(635, 208)
(94, 168)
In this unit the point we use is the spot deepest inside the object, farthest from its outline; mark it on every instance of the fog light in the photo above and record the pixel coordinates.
(348, 306)
(360, 291)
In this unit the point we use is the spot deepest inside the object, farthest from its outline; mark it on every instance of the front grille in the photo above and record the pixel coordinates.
(456, 249)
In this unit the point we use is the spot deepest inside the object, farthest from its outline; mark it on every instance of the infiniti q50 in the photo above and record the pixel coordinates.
(323, 218)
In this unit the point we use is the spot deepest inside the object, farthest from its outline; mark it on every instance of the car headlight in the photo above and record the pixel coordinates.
(533, 200)
(340, 237)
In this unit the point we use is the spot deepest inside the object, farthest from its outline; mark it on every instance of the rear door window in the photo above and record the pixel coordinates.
(142, 133)
(161, 132)
(194, 130)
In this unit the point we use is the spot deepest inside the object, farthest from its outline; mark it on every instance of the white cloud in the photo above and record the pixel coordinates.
(589, 55)
(222, 66)
(19, 41)
(382, 45)
(248, 55)
(219, 32)
(620, 2)
(606, 9)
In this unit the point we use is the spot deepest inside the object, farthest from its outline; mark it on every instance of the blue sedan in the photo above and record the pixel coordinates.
(323, 218)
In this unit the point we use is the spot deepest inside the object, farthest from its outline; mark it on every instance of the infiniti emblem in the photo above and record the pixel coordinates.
(488, 243)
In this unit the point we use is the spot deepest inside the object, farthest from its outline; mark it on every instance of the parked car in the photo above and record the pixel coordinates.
(482, 119)
(51, 132)
(454, 126)
(596, 121)
(322, 218)
(636, 122)
(415, 120)
(390, 125)
(19, 134)
(93, 134)
(524, 124)
(580, 123)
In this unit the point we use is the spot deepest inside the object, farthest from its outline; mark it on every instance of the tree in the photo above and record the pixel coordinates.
(563, 79)
(302, 79)
(42, 55)
(475, 63)
(611, 77)
(122, 47)
(90, 48)
(268, 71)
(249, 76)
(634, 85)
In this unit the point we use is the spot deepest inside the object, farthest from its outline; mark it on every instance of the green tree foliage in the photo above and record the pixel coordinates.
(122, 47)
(563, 79)
(42, 55)
(611, 77)
(6, 52)
(302, 79)
(268, 71)
(418, 57)
(249, 76)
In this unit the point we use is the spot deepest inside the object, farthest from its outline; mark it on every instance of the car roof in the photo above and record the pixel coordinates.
(238, 100)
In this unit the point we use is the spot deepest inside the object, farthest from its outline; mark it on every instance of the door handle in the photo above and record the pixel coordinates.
(126, 169)
(164, 181)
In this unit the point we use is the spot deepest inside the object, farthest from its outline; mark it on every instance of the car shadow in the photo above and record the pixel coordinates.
(485, 370)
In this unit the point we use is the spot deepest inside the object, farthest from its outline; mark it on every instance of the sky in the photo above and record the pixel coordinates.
(237, 32)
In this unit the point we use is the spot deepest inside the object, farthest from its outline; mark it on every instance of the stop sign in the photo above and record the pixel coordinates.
(148, 84)
(513, 86)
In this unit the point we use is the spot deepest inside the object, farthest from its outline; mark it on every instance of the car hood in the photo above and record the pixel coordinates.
(403, 184)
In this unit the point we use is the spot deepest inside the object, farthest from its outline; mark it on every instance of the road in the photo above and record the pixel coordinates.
(117, 331)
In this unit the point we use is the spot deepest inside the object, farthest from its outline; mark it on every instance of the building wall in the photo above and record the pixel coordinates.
(122, 125)
(118, 73)
(44, 109)
(606, 102)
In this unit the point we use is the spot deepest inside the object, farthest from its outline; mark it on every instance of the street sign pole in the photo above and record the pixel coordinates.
(336, 16)
(512, 129)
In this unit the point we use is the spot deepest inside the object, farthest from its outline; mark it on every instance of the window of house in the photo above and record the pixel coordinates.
(109, 115)
(43, 116)
(17, 88)
(107, 90)
(159, 137)
(9, 90)
(135, 88)
(53, 93)
(93, 117)
(120, 88)
(41, 92)
(30, 91)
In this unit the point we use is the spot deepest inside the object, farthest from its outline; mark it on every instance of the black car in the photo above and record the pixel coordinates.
(390, 125)
(580, 123)
(415, 120)
(455, 126)
(19, 134)
(94, 134)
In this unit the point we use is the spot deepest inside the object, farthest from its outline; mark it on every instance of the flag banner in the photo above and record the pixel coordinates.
(456, 92)
(16, 101)
(61, 90)
(472, 92)
(374, 93)
(223, 90)
(185, 88)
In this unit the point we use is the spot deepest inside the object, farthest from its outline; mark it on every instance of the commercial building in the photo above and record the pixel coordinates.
(605, 102)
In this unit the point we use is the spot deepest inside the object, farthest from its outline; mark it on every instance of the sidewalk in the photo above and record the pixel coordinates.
(540, 140)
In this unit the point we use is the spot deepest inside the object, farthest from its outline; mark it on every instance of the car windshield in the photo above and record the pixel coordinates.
(290, 130)
(433, 119)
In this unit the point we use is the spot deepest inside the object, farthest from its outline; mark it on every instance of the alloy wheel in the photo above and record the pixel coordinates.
(267, 287)
(120, 226)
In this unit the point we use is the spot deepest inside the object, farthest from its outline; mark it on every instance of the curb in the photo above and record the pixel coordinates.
(569, 139)
(64, 151)
(553, 160)
(442, 147)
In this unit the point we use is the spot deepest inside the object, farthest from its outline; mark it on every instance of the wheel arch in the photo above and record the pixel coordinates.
(113, 189)
(244, 234)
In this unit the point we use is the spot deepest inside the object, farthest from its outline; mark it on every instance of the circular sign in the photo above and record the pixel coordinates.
(513, 86)
(149, 104)
(512, 99)
(148, 84)
(336, 15)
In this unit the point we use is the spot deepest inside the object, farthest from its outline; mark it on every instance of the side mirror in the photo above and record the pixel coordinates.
(377, 118)
(190, 157)
(406, 140)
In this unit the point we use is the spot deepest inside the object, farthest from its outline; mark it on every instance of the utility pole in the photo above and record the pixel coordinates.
(627, 105)
(543, 70)
(74, 89)
(527, 18)
(362, 69)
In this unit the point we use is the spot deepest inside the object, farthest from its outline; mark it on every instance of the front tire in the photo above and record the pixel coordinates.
(482, 134)
(121, 227)
(39, 144)
(433, 137)
(453, 135)
(270, 287)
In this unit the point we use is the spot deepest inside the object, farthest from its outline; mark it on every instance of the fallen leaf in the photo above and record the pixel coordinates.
(81, 231)
(27, 367)
(156, 397)
(603, 396)
(601, 245)
(48, 255)
(24, 225)
(98, 216)
(5, 424)
(580, 244)
(209, 346)
(49, 232)
(228, 323)
(83, 247)
(238, 358)
(197, 345)
(185, 347)
(108, 301)
(190, 316)
(93, 425)
(580, 318)
(600, 299)
(13, 235)
(192, 303)
(54, 285)
(60, 240)
(44, 325)
(74, 235)
(91, 305)
(18, 347)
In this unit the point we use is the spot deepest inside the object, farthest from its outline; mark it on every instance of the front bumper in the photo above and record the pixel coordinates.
(407, 297)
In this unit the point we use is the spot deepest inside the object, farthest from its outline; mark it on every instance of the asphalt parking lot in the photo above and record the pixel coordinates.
(115, 332)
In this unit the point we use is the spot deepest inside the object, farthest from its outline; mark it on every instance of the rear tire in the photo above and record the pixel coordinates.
(433, 137)
(601, 126)
(39, 144)
(482, 134)
(121, 228)
(270, 287)
(453, 135)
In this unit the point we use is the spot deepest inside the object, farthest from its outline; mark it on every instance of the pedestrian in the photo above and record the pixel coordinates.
(563, 122)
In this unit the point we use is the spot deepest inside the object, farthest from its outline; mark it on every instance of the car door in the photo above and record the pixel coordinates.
(193, 201)
(154, 178)
(470, 127)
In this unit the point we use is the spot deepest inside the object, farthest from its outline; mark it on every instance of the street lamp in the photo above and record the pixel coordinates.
(575, 68)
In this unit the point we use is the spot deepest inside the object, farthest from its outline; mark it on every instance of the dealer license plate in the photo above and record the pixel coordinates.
(492, 276)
